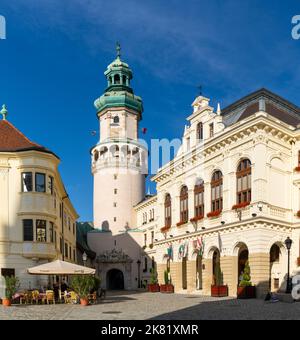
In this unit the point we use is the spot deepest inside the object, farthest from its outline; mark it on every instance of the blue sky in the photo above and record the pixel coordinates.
(53, 60)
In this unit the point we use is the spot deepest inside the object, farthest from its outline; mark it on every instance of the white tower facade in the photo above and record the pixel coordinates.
(119, 160)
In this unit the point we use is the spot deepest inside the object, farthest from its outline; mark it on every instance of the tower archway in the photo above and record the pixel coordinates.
(115, 279)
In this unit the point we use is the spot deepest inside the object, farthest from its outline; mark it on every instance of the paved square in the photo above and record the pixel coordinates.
(157, 306)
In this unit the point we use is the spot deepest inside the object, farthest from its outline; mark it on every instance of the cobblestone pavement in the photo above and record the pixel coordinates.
(157, 306)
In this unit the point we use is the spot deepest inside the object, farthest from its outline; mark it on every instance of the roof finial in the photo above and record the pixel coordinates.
(118, 48)
(219, 109)
(200, 89)
(4, 112)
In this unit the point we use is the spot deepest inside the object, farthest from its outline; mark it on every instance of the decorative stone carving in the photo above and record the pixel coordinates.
(113, 256)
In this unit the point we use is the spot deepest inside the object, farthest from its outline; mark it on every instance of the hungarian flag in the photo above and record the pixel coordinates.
(144, 130)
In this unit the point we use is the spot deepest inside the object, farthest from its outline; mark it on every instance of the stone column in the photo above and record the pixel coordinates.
(260, 272)
(207, 276)
(229, 270)
(191, 276)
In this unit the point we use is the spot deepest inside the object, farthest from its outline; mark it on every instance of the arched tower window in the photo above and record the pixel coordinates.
(96, 156)
(243, 178)
(124, 80)
(168, 211)
(199, 199)
(184, 207)
(199, 132)
(116, 79)
(217, 191)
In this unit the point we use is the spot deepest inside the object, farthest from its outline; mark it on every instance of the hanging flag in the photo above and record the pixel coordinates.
(93, 133)
(144, 130)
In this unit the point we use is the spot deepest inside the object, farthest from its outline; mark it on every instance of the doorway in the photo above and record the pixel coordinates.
(115, 279)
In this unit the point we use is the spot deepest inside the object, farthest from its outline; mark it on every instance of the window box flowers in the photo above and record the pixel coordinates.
(240, 205)
(179, 224)
(214, 213)
(165, 229)
(197, 218)
(298, 214)
(297, 169)
(298, 261)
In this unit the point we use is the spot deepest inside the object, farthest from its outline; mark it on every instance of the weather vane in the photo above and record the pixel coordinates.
(118, 48)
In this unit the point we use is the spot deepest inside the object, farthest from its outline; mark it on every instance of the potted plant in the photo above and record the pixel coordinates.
(12, 284)
(82, 285)
(218, 289)
(167, 287)
(246, 290)
(153, 287)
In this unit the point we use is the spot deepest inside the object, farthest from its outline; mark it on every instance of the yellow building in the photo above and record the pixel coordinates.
(37, 219)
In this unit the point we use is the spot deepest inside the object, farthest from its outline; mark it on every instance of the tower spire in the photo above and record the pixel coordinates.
(118, 48)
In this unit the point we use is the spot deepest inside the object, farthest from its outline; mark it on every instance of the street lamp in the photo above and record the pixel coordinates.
(288, 243)
(139, 273)
(84, 258)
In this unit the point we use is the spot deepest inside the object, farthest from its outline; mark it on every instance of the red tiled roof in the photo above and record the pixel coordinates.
(12, 140)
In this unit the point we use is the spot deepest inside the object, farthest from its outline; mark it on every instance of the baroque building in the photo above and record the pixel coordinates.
(37, 218)
(230, 195)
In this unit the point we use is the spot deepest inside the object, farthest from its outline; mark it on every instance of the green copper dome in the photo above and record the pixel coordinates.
(119, 92)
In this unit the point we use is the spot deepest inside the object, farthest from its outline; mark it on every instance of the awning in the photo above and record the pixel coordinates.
(59, 267)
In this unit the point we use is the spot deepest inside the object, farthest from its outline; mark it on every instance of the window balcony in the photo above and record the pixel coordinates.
(39, 250)
(33, 202)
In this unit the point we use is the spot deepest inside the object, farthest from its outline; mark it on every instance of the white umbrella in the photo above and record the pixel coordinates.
(59, 267)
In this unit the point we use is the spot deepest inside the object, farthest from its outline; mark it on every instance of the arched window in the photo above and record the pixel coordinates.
(217, 191)
(124, 80)
(168, 209)
(199, 131)
(199, 199)
(116, 79)
(116, 120)
(96, 156)
(184, 207)
(243, 177)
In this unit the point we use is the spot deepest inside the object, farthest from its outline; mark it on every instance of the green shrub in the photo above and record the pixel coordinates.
(12, 284)
(246, 281)
(153, 277)
(218, 275)
(83, 284)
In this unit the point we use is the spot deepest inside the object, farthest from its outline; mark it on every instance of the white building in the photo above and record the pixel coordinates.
(37, 219)
(232, 187)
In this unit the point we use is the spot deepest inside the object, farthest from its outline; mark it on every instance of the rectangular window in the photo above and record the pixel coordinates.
(66, 250)
(8, 272)
(70, 252)
(51, 231)
(61, 245)
(74, 255)
(73, 228)
(152, 237)
(145, 239)
(28, 230)
(69, 223)
(41, 231)
(115, 191)
(211, 130)
(55, 239)
(27, 182)
(115, 219)
(115, 177)
(50, 185)
(115, 204)
(40, 182)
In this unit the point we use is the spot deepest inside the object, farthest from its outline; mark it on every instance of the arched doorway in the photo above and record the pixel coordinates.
(276, 268)
(115, 279)
(242, 259)
(184, 273)
(199, 272)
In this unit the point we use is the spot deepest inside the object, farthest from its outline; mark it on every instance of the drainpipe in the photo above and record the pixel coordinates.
(62, 226)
